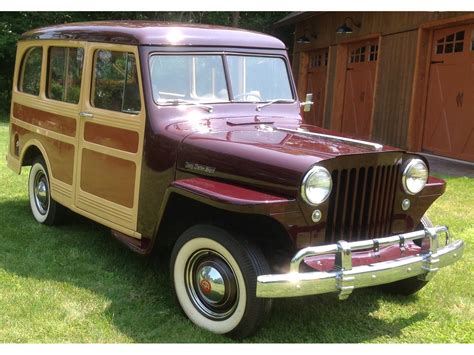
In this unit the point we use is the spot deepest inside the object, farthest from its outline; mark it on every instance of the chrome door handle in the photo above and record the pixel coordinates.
(86, 114)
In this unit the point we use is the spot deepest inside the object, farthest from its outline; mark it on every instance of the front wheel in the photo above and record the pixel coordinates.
(214, 276)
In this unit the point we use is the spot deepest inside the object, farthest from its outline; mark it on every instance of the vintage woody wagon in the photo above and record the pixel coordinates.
(191, 138)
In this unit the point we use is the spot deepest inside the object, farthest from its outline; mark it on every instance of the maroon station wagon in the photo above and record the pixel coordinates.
(190, 139)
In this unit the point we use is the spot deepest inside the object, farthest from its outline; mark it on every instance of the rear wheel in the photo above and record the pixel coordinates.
(413, 284)
(214, 276)
(44, 208)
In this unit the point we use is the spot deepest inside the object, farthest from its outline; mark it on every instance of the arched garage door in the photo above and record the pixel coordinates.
(449, 121)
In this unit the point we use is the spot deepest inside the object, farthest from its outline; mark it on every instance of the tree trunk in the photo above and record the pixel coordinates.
(235, 18)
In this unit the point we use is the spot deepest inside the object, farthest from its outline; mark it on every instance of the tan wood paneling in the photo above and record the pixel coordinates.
(111, 137)
(116, 185)
(419, 90)
(330, 87)
(395, 107)
(323, 26)
(396, 70)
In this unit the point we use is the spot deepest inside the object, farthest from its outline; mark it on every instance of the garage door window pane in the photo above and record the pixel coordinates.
(65, 73)
(116, 82)
(453, 43)
(30, 71)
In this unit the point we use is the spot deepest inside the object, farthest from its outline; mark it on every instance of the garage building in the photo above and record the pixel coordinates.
(399, 78)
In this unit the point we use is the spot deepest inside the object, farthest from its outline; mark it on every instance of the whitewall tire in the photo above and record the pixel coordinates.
(43, 207)
(214, 278)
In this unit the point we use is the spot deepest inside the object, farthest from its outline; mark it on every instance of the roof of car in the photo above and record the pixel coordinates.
(156, 33)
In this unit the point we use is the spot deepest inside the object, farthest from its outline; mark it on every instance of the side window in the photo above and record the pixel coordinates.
(30, 71)
(115, 82)
(64, 74)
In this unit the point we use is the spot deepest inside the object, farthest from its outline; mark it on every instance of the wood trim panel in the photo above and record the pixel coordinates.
(108, 177)
(111, 137)
(59, 154)
(47, 120)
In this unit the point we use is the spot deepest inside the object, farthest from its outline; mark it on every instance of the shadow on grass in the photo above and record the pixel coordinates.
(82, 253)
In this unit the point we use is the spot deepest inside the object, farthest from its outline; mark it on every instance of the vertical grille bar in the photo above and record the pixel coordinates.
(355, 191)
(348, 196)
(373, 200)
(341, 207)
(368, 201)
(331, 220)
(396, 175)
(381, 200)
(388, 201)
(363, 203)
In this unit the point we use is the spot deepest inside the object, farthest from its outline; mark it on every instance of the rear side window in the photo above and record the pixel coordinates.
(64, 74)
(30, 71)
(115, 82)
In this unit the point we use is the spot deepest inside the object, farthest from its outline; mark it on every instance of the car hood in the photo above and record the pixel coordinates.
(273, 156)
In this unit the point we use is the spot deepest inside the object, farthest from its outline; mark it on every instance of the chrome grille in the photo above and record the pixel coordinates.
(361, 202)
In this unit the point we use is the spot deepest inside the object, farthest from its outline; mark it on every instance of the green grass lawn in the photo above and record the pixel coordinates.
(75, 283)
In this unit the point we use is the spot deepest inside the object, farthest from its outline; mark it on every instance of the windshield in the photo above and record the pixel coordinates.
(258, 79)
(197, 78)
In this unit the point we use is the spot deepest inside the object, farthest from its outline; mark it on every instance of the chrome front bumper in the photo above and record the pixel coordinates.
(344, 279)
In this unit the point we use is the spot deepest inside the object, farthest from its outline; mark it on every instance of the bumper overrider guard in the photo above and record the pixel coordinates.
(344, 278)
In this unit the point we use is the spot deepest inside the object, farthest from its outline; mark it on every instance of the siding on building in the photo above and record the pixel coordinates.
(399, 36)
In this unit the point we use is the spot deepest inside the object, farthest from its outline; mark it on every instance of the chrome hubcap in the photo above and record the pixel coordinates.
(211, 284)
(41, 192)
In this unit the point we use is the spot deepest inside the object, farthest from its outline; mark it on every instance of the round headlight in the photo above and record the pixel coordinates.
(317, 185)
(415, 176)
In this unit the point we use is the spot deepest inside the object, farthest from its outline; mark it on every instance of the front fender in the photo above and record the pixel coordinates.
(232, 197)
(226, 197)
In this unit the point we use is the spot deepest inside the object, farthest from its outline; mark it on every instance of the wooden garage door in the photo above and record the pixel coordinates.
(316, 84)
(449, 121)
(359, 88)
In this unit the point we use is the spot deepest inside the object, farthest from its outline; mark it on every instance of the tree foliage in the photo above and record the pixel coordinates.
(13, 24)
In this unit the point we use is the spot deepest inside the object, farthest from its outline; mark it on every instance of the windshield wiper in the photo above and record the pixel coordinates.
(259, 107)
(177, 102)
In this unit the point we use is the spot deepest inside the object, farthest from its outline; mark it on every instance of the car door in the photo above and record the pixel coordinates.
(111, 127)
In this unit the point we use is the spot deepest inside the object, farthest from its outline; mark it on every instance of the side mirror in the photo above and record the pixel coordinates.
(308, 102)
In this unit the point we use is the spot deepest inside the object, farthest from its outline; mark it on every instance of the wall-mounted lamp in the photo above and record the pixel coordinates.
(305, 39)
(345, 29)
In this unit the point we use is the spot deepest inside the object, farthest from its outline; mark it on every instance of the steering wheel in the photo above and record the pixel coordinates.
(250, 94)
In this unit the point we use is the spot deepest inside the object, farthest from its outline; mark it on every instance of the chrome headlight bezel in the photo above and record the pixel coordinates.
(304, 186)
(405, 176)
